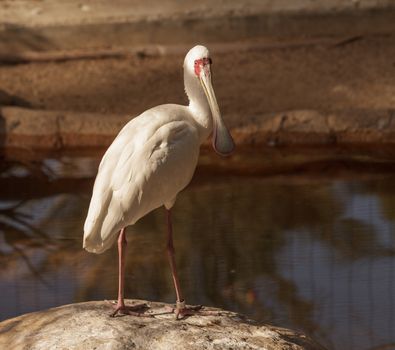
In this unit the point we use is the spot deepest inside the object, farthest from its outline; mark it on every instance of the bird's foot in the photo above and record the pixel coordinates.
(181, 310)
(136, 310)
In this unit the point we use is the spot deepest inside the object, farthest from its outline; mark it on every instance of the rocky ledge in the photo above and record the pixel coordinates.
(62, 130)
(88, 326)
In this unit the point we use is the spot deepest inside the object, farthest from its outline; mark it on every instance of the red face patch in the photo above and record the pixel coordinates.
(200, 63)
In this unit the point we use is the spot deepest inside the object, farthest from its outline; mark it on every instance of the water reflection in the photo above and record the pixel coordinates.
(303, 252)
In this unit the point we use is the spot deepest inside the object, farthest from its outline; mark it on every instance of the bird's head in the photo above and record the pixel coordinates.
(198, 64)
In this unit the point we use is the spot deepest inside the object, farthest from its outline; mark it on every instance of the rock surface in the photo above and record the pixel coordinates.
(337, 93)
(52, 25)
(84, 75)
(88, 326)
(57, 130)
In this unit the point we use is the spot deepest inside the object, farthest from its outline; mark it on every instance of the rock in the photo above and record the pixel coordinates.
(42, 129)
(88, 326)
(48, 129)
(73, 24)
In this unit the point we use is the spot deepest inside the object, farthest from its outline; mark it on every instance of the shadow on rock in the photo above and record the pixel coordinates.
(15, 38)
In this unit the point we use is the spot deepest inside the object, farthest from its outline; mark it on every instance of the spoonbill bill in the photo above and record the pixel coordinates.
(151, 160)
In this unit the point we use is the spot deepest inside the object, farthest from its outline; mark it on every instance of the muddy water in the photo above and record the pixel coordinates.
(315, 253)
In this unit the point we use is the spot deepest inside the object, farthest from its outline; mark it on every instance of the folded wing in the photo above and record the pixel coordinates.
(145, 167)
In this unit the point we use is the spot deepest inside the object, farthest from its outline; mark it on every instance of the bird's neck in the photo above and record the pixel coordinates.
(198, 105)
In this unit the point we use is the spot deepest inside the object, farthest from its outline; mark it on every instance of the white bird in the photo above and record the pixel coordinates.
(150, 161)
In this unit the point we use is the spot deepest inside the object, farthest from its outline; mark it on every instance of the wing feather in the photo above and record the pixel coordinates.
(145, 167)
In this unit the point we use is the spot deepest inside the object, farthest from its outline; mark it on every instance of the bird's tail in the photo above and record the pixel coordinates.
(94, 243)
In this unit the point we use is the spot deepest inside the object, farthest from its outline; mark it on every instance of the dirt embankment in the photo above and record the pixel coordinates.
(327, 78)
(325, 93)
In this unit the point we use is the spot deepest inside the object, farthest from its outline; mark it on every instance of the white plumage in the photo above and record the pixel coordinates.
(150, 161)
(154, 157)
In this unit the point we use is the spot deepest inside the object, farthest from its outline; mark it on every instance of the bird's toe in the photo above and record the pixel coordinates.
(135, 310)
(181, 310)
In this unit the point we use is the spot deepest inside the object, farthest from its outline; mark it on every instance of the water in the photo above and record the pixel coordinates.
(314, 253)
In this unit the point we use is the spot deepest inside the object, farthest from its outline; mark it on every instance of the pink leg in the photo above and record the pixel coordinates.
(120, 306)
(122, 243)
(180, 308)
(170, 253)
